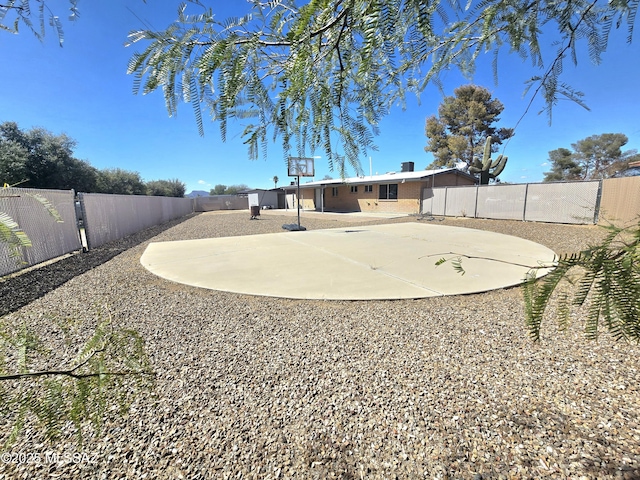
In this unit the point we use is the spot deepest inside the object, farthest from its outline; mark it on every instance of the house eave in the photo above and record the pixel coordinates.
(391, 177)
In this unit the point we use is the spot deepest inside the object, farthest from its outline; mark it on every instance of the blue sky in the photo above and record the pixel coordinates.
(82, 90)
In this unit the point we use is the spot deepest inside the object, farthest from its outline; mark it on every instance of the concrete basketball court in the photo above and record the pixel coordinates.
(378, 262)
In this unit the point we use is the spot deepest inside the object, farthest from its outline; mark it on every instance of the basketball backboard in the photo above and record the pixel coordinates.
(302, 167)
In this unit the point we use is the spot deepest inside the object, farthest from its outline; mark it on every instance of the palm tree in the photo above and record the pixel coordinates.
(275, 181)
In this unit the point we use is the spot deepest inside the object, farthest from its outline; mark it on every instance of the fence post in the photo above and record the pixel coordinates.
(444, 208)
(84, 220)
(524, 207)
(596, 210)
(475, 206)
(77, 215)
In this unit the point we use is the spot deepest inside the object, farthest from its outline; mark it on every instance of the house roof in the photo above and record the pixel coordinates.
(390, 177)
(629, 172)
(633, 170)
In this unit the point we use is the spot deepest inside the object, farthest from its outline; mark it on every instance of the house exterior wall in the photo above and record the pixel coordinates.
(264, 199)
(307, 199)
(290, 200)
(408, 201)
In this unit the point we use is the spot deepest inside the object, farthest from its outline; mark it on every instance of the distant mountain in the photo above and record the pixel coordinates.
(197, 193)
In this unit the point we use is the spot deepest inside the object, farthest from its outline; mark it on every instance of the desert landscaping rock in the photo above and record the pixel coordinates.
(256, 387)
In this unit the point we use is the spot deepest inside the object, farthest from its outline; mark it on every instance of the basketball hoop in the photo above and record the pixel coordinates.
(301, 167)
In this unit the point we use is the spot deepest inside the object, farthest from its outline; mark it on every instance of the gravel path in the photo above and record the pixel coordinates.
(252, 387)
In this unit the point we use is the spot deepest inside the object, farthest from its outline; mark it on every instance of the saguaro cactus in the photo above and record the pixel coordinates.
(487, 168)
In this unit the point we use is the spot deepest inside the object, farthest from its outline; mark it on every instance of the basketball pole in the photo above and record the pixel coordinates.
(299, 167)
(298, 197)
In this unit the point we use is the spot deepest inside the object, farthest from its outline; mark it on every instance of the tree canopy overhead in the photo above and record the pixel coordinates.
(322, 75)
(36, 16)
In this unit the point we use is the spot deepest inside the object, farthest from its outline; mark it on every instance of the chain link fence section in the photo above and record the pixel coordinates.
(501, 202)
(110, 217)
(433, 201)
(567, 202)
(220, 202)
(460, 201)
(50, 239)
(572, 202)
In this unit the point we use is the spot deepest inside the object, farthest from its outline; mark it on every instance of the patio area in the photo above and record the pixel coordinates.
(375, 262)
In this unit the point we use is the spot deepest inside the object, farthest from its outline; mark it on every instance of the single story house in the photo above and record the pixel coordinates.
(633, 170)
(392, 192)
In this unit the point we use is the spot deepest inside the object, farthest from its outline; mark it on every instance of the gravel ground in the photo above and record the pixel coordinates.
(253, 387)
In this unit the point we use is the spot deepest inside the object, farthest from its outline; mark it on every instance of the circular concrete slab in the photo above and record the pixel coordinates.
(358, 263)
